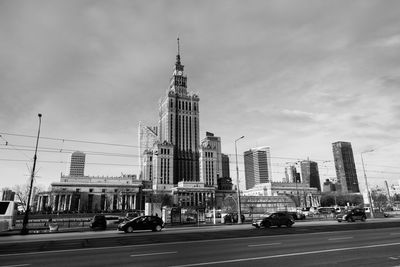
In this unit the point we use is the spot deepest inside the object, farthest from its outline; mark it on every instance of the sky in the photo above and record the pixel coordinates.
(293, 75)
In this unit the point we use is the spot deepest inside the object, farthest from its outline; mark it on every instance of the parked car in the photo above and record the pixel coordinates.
(102, 222)
(153, 223)
(352, 215)
(275, 219)
(233, 218)
(98, 222)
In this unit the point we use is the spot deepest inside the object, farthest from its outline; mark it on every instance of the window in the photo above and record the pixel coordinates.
(91, 190)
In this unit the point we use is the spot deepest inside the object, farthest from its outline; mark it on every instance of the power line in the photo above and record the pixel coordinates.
(70, 140)
(68, 162)
(68, 151)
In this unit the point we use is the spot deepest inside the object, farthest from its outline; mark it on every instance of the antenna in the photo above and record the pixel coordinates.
(178, 46)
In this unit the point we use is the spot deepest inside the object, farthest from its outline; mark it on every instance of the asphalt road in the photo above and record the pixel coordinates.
(375, 243)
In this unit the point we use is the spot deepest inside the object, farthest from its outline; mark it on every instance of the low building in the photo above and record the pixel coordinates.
(92, 194)
(301, 193)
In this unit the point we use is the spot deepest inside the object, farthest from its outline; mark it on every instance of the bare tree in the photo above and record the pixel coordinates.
(22, 193)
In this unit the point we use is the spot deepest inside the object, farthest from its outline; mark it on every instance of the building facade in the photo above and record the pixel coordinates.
(345, 167)
(257, 166)
(77, 167)
(225, 166)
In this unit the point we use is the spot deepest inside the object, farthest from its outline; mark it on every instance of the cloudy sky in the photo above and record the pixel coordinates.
(292, 75)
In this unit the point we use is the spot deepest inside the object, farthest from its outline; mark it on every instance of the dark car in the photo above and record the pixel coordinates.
(98, 222)
(153, 223)
(275, 219)
(102, 222)
(352, 215)
(295, 214)
(233, 218)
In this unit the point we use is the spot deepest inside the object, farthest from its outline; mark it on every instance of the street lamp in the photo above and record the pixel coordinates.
(24, 230)
(237, 183)
(366, 183)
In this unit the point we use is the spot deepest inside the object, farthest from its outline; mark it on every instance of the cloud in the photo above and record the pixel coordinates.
(388, 42)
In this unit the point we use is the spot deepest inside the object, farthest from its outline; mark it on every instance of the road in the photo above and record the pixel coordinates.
(346, 244)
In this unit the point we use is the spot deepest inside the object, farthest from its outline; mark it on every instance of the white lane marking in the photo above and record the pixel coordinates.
(287, 255)
(340, 238)
(393, 258)
(18, 265)
(155, 253)
(259, 245)
(394, 233)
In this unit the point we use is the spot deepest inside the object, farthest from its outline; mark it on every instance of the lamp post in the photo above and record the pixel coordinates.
(237, 183)
(24, 230)
(366, 183)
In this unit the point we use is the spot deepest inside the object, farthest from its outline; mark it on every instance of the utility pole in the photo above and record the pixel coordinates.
(237, 183)
(24, 229)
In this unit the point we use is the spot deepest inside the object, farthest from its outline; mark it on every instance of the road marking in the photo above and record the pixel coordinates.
(18, 265)
(393, 258)
(155, 253)
(394, 233)
(340, 238)
(287, 255)
(259, 245)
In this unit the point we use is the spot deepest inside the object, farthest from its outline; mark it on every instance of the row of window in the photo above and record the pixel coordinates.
(183, 105)
(165, 151)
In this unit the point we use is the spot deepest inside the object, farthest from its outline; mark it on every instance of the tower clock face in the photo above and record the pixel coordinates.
(180, 72)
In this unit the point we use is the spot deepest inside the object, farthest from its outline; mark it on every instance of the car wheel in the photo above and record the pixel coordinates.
(129, 229)
(349, 219)
(363, 218)
(157, 228)
(289, 224)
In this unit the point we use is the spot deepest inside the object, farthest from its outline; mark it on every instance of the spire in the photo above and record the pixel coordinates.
(178, 56)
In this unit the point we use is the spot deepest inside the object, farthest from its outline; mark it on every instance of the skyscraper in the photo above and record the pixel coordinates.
(257, 166)
(77, 167)
(310, 174)
(179, 125)
(225, 166)
(345, 167)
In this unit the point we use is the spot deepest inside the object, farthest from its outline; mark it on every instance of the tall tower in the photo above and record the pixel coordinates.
(257, 166)
(179, 125)
(310, 173)
(77, 167)
(345, 167)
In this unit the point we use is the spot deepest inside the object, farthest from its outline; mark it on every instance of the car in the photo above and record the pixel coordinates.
(233, 218)
(295, 214)
(148, 222)
(102, 222)
(275, 219)
(98, 222)
(352, 215)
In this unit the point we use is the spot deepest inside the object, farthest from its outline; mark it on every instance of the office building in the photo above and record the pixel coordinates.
(345, 167)
(77, 166)
(257, 166)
